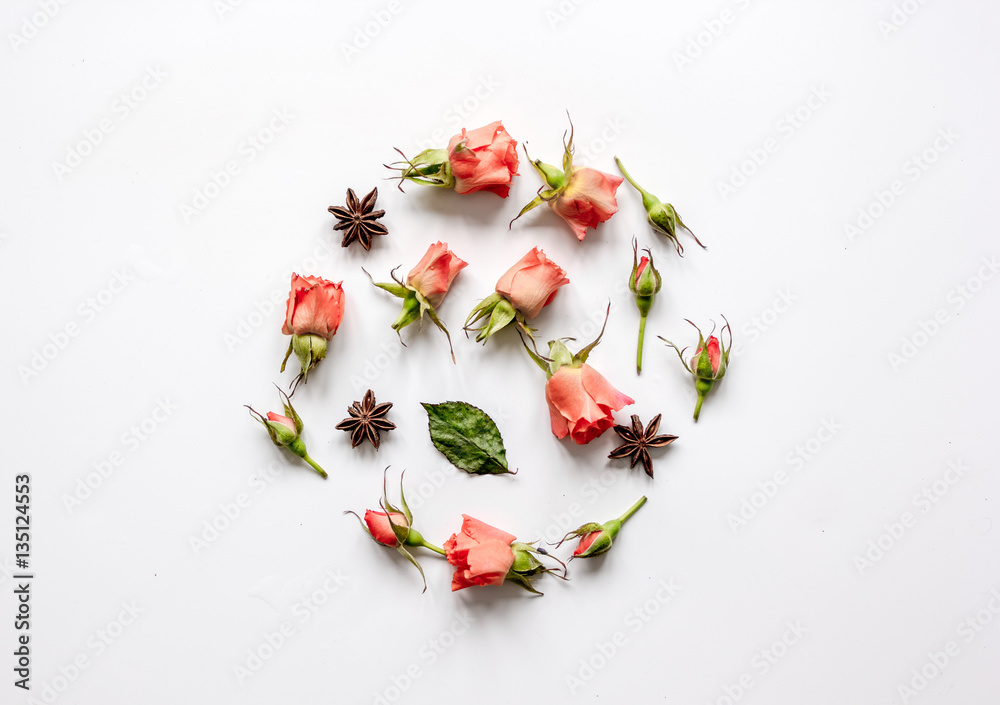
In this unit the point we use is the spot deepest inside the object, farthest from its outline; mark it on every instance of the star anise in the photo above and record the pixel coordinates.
(358, 219)
(366, 420)
(639, 440)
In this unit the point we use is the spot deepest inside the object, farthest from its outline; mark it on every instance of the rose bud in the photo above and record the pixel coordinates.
(393, 527)
(286, 430)
(596, 539)
(580, 400)
(484, 159)
(425, 287)
(708, 364)
(379, 525)
(581, 196)
(644, 283)
(521, 293)
(661, 216)
(313, 314)
(484, 555)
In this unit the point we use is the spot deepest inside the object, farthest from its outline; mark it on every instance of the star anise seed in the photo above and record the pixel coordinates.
(639, 440)
(358, 219)
(366, 420)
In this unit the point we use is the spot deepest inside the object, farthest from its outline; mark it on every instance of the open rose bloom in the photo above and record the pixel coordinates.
(483, 159)
(425, 287)
(579, 398)
(480, 553)
(581, 196)
(587, 200)
(521, 294)
(485, 555)
(434, 273)
(313, 314)
(580, 403)
(709, 363)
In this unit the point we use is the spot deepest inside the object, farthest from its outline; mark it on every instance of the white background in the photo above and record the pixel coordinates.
(687, 97)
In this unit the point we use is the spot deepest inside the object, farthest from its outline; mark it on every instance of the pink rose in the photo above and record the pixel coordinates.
(532, 283)
(283, 420)
(587, 200)
(480, 553)
(484, 159)
(315, 307)
(380, 527)
(580, 403)
(581, 196)
(434, 274)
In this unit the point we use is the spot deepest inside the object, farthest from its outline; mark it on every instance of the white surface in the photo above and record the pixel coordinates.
(216, 81)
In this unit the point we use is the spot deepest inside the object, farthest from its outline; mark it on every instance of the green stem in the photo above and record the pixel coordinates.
(315, 466)
(697, 407)
(415, 538)
(632, 510)
(434, 548)
(628, 177)
(642, 336)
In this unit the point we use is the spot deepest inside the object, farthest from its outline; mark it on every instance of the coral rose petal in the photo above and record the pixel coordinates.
(602, 391)
(315, 307)
(585, 542)
(532, 283)
(483, 136)
(535, 287)
(481, 531)
(557, 421)
(283, 420)
(489, 563)
(569, 395)
(435, 272)
(598, 188)
(589, 199)
(484, 159)
(378, 523)
(585, 431)
(575, 213)
(714, 353)
(306, 314)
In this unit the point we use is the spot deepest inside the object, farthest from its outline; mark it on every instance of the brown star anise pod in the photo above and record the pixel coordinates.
(358, 219)
(638, 440)
(366, 420)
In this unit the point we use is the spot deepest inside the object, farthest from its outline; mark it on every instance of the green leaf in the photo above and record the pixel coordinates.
(468, 437)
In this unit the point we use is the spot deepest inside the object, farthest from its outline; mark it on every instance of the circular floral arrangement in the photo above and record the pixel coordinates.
(580, 400)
